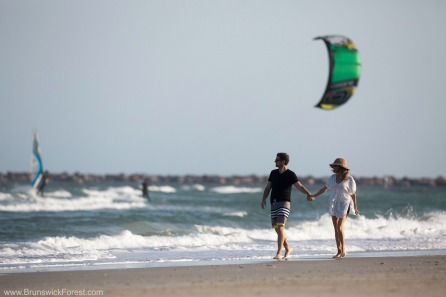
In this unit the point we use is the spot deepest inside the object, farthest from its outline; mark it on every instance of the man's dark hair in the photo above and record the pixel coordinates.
(284, 157)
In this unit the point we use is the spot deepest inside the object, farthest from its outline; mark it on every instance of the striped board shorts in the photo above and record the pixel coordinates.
(279, 213)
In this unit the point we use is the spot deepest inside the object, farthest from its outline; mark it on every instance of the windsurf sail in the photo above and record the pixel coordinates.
(36, 162)
(345, 70)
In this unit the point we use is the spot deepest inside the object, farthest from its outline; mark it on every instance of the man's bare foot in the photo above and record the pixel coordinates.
(278, 257)
(343, 254)
(338, 255)
(288, 252)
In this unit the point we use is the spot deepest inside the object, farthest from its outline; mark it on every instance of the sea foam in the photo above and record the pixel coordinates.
(311, 238)
(236, 190)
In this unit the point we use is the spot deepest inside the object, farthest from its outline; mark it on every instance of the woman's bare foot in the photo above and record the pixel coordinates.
(278, 257)
(288, 252)
(343, 254)
(338, 255)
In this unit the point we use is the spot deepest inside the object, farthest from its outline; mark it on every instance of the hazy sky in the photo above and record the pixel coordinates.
(219, 87)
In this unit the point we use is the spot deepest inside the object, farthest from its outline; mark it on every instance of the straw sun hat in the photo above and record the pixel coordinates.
(340, 162)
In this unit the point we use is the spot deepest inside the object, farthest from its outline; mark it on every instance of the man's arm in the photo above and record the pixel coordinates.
(302, 189)
(266, 194)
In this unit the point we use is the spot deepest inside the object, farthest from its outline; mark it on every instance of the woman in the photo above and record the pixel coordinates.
(342, 198)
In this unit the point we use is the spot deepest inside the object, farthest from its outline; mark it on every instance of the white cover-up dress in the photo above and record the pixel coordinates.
(340, 199)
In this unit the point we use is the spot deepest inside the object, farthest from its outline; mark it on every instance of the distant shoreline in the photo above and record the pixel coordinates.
(80, 178)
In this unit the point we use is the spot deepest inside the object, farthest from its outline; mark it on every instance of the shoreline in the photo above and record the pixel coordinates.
(197, 263)
(350, 276)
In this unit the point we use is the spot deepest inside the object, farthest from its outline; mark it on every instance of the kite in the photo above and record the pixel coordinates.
(345, 70)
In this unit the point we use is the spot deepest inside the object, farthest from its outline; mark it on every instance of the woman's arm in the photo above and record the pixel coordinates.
(320, 192)
(355, 204)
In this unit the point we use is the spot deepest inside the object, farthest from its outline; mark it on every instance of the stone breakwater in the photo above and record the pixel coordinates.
(387, 181)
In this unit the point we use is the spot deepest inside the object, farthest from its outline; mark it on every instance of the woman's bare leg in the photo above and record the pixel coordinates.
(341, 223)
(288, 249)
(338, 242)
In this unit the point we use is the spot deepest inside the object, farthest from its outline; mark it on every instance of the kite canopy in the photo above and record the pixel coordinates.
(345, 70)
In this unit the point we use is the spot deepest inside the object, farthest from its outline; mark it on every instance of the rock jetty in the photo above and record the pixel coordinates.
(387, 181)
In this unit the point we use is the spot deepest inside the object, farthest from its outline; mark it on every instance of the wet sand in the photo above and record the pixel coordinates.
(389, 276)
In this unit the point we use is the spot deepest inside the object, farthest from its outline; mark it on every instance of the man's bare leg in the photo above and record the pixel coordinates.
(281, 238)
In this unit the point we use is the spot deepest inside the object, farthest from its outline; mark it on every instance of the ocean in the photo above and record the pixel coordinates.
(108, 225)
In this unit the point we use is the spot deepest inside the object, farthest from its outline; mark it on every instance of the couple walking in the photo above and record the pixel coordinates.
(342, 199)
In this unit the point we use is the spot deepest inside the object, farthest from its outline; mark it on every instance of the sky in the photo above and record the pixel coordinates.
(219, 87)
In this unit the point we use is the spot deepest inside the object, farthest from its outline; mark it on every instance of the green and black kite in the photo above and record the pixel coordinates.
(345, 70)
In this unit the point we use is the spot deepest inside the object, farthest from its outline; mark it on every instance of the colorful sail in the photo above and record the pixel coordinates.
(345, 70)
(36, 162)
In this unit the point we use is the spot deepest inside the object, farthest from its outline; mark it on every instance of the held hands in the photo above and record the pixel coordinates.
(311, 197)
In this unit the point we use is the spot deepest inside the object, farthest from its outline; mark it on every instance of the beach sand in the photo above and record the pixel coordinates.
(386, 276)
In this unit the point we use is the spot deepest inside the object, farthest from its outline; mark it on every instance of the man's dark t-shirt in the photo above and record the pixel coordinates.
(281, 184)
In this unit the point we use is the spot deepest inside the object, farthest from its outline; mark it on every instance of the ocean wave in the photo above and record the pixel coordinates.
(112, 192)
(163, 189)
(310, 238)
(6, 196)
(59, 194)
(430, 225)
(236, 190)
(79, 204)
(120, 198)
(195, 187)
(239, 214)
(61, 248)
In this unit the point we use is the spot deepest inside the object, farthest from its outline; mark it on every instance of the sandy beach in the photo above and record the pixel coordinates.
(387, 276)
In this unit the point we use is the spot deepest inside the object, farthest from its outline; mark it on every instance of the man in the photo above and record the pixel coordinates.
(280, 181)
(45, 179)
(145, 189)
